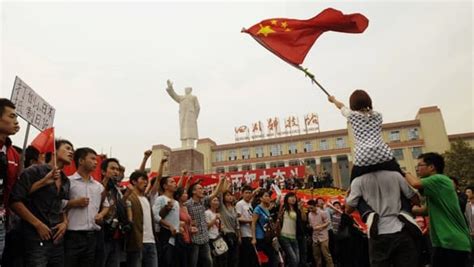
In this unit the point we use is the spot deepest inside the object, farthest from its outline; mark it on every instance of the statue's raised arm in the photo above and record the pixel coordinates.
(172, 93)
(188, 113)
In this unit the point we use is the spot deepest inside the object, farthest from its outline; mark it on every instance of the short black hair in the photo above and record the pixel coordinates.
(178, 193)
(31, 154)
(336, 202)
(470, 187)
(311, 202)
(246, 188)
(136, 175)
(434, 159)
(81, 153)
(163, 182)
(105, 164)
(4, 102)
(191, 189)
(58, 143)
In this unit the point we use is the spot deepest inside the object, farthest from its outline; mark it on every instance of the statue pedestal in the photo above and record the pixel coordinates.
(185, 158)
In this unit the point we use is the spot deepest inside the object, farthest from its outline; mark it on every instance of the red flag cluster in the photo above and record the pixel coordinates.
(291, 39)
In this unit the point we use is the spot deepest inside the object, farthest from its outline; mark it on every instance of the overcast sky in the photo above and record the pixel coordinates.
(104, 66)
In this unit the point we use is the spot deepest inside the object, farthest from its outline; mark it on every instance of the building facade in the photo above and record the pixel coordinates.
(330, 151)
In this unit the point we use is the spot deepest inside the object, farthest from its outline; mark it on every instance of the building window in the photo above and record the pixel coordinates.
(260, 166)
(233, 169)
(219, 156)
(416, 151)
(294, 163)
(308, 146)
(398, 154)
(220, 170)
(323, 144)
(413, 134)
(245, 153)
(246, 167)
(273, 164)
(275, 150)
(292, 148)
(259, 152)
(395, 136)
(232, 155)
(280, 164)
(310, 162)
(340, 142)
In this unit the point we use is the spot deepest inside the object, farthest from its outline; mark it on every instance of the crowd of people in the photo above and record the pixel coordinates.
(51, 219)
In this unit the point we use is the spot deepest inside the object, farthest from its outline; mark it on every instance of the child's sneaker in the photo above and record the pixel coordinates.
(372, 225)
(410, 224)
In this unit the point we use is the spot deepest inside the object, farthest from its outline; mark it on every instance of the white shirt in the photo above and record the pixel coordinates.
(148, 236)
(245, 211)
(83, 218)
(214, 230)
(172, 217)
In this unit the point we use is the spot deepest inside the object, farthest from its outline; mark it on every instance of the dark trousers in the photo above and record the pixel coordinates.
(247, 256)
(112, 250)
(80, 248)
(39, 253)
(232, 255)
(184, 252)
(14, 247)
(99, 249)
(268, 249)
(443, 257)
(397, 250)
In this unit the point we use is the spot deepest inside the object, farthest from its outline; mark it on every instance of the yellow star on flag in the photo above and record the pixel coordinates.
(274, 22)
(284, 24)
(265, 30)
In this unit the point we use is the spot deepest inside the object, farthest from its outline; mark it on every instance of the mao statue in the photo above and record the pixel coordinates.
(188, 114)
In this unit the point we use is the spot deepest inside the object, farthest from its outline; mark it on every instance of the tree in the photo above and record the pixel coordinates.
(459, 162)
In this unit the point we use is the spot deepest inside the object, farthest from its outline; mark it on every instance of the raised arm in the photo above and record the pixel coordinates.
(337, 103)
(156, 186)
(413, 180)
(146, 156)
(219, 187)
(181, 179)
(172, 93)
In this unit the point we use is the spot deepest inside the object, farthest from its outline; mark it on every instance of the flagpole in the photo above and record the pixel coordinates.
(25, 142)
(311, 76)
(54, 152)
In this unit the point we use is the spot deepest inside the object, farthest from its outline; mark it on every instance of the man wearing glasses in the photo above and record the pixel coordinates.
(9, 162)
(448, 229)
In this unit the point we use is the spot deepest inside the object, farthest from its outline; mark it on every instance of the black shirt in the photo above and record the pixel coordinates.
(46, 202)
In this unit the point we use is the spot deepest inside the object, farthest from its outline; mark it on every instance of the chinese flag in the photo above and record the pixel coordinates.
(291, 39)
(44, 142)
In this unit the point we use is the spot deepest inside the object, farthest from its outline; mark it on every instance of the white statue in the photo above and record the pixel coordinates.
(188, 114)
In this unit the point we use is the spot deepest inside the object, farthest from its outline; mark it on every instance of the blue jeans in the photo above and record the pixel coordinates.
(201, 253)
(292, 252)
(149, 255)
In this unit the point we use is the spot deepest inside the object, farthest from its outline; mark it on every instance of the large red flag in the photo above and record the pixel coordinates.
(44, 142)
(291, 39)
